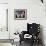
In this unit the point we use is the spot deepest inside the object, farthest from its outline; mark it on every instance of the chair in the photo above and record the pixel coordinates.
(33, 30)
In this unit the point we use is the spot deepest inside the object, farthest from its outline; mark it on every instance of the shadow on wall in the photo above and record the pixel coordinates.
(41, 34)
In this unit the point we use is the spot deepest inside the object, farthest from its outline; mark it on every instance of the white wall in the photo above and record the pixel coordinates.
(35, 14)
(3, 1)
(3, 34)
(3, 21)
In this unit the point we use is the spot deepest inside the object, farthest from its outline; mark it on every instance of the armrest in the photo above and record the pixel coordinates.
(22, 35)
(24, 32)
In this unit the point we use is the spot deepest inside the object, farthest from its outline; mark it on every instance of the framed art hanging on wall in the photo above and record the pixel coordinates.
(20, 14)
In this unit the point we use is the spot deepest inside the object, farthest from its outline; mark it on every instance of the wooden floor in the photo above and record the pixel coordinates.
(6, 40)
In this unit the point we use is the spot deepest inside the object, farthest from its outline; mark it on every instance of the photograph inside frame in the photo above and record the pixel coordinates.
(20, 13)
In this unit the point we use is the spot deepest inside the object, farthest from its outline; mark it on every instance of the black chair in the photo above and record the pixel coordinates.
(32, 29)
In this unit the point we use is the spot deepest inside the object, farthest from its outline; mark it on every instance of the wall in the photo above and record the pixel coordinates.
(3, 34)
(3, 1)
(3, 21)
(35, 14)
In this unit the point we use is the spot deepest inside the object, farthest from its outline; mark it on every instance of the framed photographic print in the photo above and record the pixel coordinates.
(20, 14)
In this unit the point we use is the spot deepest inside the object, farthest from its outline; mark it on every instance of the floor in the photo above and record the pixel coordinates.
(27, 44)
(5, 44)
(9, 44)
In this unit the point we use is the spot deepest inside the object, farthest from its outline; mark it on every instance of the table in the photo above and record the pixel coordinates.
(16, 40)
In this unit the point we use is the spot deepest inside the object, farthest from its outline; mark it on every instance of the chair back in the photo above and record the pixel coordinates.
(33, 28)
